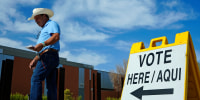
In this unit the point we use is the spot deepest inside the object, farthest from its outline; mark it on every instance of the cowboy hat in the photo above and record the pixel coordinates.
(38, 11)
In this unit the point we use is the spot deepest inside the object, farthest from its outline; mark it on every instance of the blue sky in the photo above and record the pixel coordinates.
(101, 32)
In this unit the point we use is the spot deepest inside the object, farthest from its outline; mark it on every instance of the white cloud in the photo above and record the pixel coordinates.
(198, 55)
(76, 32)
(167, 18)
(62, 44)
(3, 32)
(11, 43)
(12, 19)
(28, 2)
(121, 14)
(170, 4)
(32, 39)
(86, 57)
(96, 15)
(28, 27)
(123, 45)
(73, 31)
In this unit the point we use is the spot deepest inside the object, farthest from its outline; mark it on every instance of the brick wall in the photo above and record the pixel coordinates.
(71, 79)
(21, 78)
(87, 85)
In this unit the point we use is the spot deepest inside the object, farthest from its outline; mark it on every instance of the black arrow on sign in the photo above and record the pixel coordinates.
(140, 92)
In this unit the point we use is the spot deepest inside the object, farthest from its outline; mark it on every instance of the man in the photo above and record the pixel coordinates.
(44, 64)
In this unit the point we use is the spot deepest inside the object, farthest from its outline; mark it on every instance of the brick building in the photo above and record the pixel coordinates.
(81, 79)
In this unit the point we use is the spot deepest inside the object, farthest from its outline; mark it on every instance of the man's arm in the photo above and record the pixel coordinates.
(33, 62)
(53, 39)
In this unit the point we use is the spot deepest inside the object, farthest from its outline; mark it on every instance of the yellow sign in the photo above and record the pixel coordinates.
(166, 72)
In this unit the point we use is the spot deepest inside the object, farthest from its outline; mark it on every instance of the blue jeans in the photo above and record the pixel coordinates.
(45, 69)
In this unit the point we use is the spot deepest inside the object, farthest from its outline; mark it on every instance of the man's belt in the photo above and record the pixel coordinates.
(48, 50)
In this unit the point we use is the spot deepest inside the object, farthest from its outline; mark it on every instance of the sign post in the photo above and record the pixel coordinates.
(165, 72)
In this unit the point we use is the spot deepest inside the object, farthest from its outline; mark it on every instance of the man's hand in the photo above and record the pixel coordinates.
(33, 62)
(38, 47)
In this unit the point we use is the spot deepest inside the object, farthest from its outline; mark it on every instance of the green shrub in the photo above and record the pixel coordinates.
(44, 97)
(26, 97)
(69, 96)
(18, 96)
(79, 98)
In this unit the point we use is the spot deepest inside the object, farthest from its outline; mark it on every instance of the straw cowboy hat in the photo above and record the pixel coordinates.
(38, 11)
